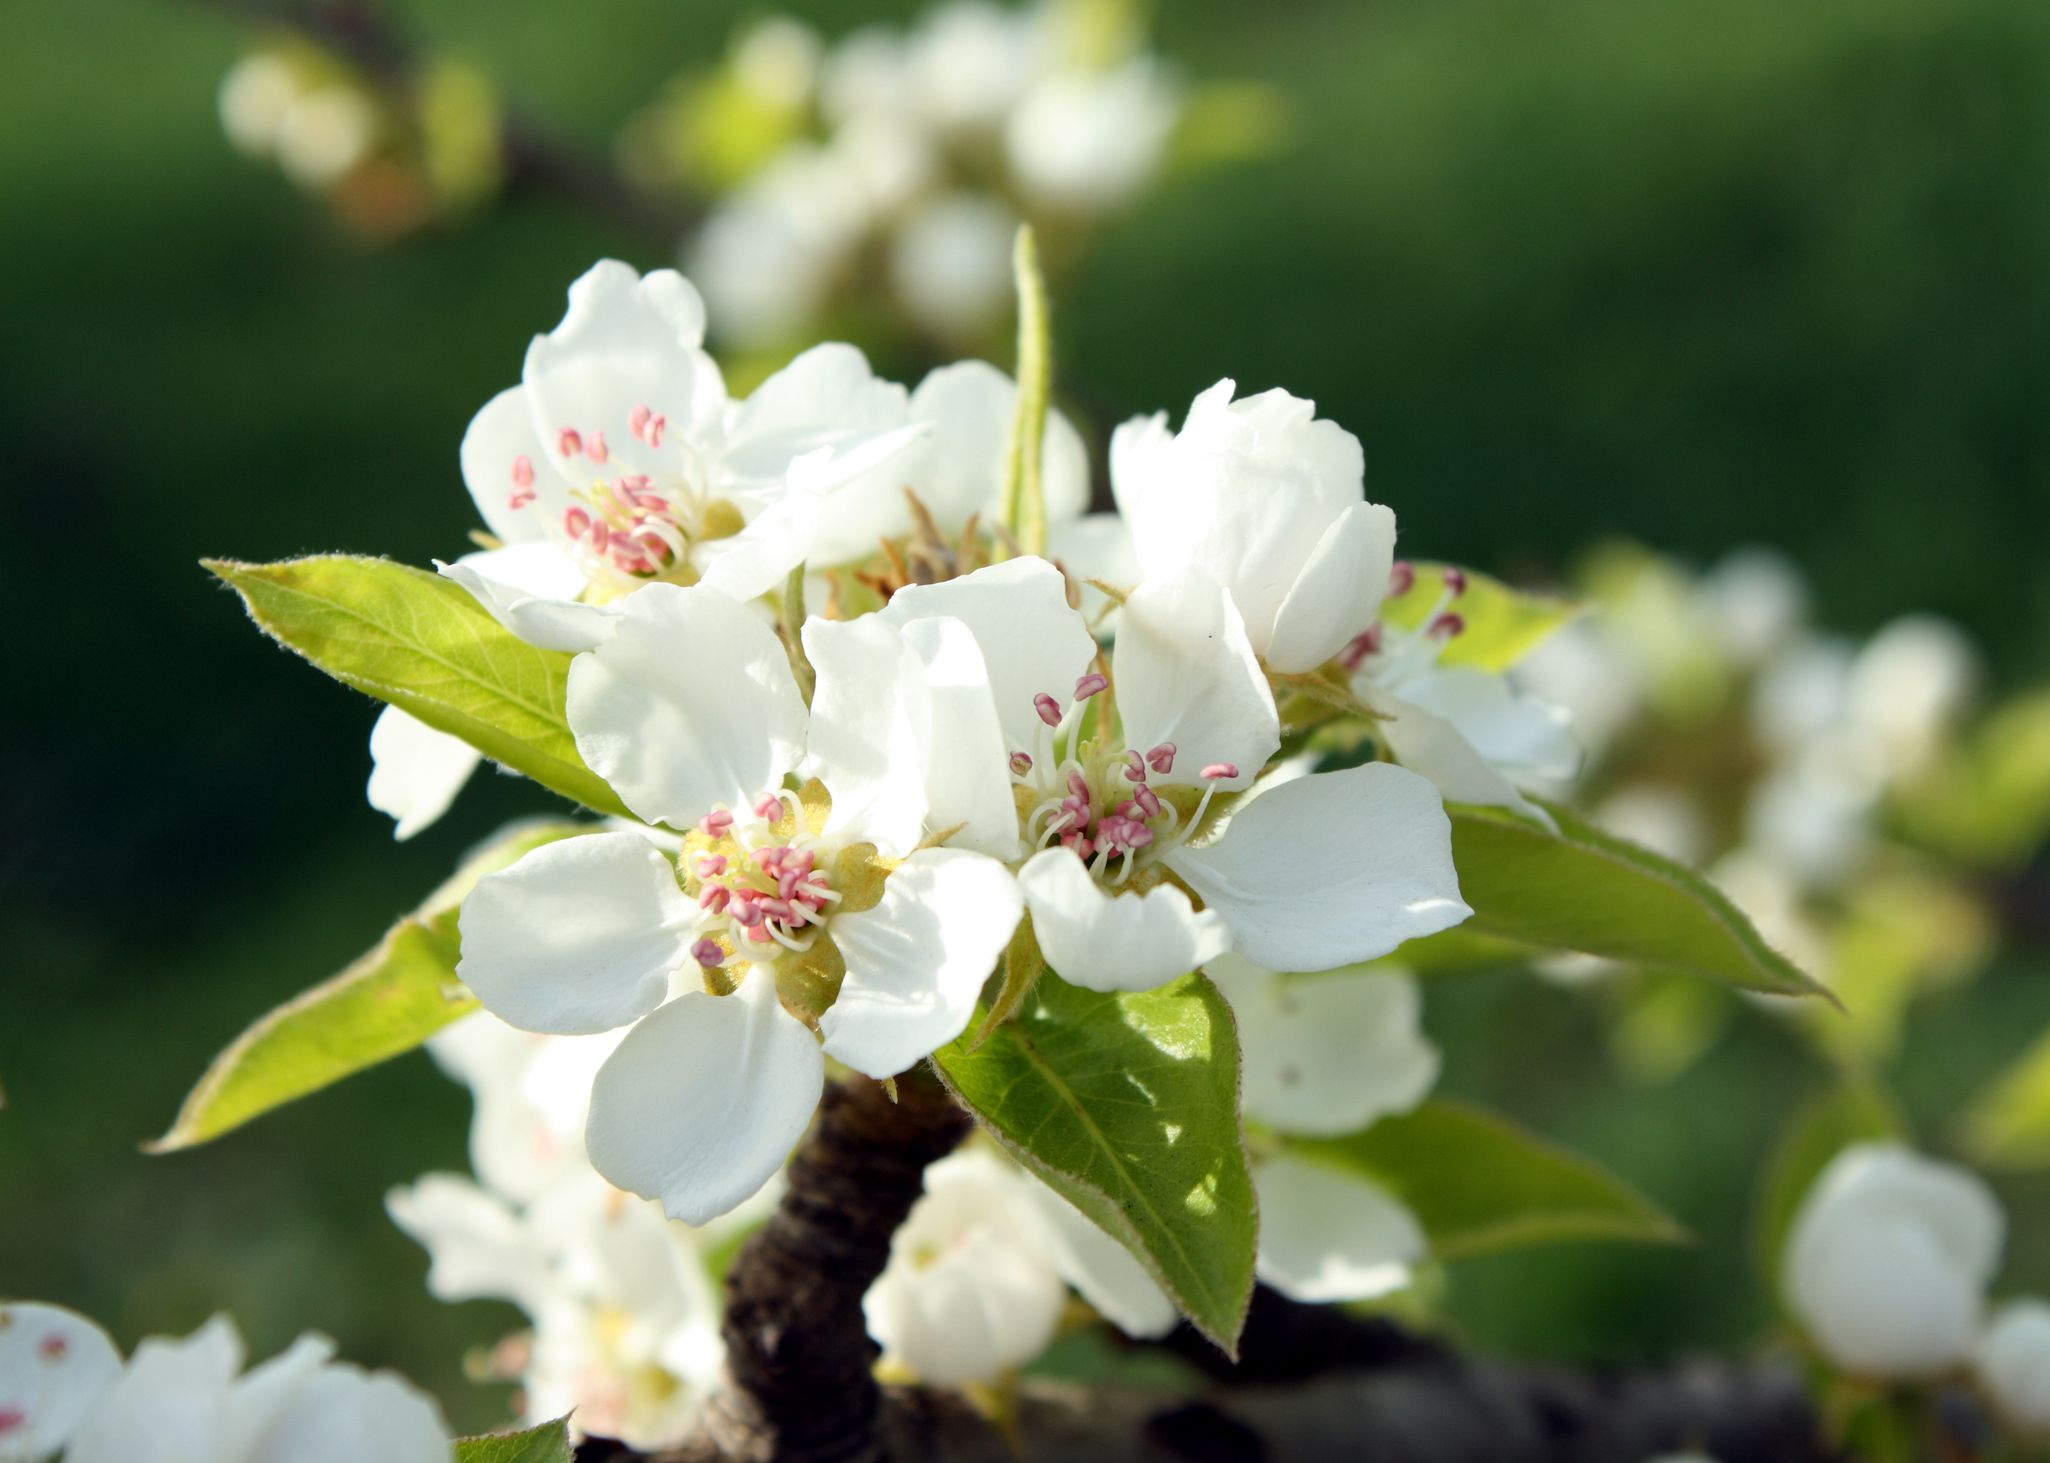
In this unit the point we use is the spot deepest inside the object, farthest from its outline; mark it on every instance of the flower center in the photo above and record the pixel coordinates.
(759, 886)
(631, 524)
(1094, 799)
(1388, 655)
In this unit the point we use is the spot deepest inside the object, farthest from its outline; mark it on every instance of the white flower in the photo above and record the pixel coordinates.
(1322, 1056)
(1086, 140)
(324, 134)
(254, 97)
(2013, 1365)
(626, 1324)
(54, 1368)
(62, 1385)
(950, 263)
(1320, 872)
(1267, 499)
(1887, 1262)
(1472, 733)
(979, 1272)
(691, 712)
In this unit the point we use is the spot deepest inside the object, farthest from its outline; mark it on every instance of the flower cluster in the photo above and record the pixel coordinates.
(1886, 1268)
(65, 1390)
(846, 817)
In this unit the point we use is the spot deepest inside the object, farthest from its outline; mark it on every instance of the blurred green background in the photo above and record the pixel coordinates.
(1702, 272)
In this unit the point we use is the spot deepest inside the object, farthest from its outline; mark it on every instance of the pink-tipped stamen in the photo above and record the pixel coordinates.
(1448, 625)
(1135, 766)
(1090, 684)
(1217, 770)
(1401, 578)
(569, 442)
(711, 865)
(715, 823)
(1021, 763)
(1455, 582)
(595, 448)
(769, 807)
(708, 954)
(12, 1419)
(1049, 709)
(1161, 758)
(53, 1348)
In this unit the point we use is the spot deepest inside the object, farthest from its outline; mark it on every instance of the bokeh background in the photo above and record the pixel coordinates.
(1702, 273)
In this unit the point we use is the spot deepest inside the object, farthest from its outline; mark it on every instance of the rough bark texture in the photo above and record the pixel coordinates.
(798, 1355)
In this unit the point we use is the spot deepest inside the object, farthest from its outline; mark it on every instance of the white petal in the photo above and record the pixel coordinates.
(1031, 640)
(577, 937)
(342, 1414)
(971, 406)
(475, 1244)
(1095, 546)
(705, 1099)
(871, 722)
(1330, 869)
(258, 1399)
(2013, 1365)
(1102, 1271)
(1335, 596)
(967, 774)
(55, 1366)
(1432, 747)
(499, 436)
(1522, 735)
(169, 1405)
(1326, 1054)
(532, 590)
(760, 557)
(1325, 1236)
(917, 961)
(1186, 674)
(415, 771)
(1114, 942)
(625, 342)
(689, 706)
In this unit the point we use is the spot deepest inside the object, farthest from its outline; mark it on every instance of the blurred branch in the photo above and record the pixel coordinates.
(537, 161)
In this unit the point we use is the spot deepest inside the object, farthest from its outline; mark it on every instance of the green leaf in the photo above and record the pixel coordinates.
(421, 643)
(1127, 1105)
(1478, 1184)
(1854, 1110)
(548, 1443)
(1583, 889)
(2007, 1125)
(1503, 625)
(386, 1003)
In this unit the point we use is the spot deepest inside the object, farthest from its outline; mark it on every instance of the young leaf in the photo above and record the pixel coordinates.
(1128, 1106)
(1502, 625)
(386, 1003)
(423, 644)
(1478, 1184)
(2007, 1125)
(1852, 1111)
(548, 1443)
(1583, 889)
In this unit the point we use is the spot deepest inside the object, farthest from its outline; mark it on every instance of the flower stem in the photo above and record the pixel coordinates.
(1024, 498)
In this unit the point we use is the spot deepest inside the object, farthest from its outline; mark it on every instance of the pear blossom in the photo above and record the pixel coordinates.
(625, 1319)
(1887, 1261)
(1086, 139)
(979, 1272)
(63, 1387)
(1268, 499)
(790, 919)
(1323, 1056)
(1114, 791)
(2012, 1363)
(1471, 732)
(54, 1367)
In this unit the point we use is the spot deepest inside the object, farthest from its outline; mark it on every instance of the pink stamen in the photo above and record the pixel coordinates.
(1401, 578)
(1455, 582)
(1362, 645)
(595, 448)
(1089, 685)
(1135, 766)
(569, 442)
(1220, 770)
(54, 1348)
(711, 865)
(575, 522)
(715, 823)
(769, 807)
(1021, 763)
(11, 1418)
(1161, 758)
(1448, 625)
(657, 425)
(637, 421)
(1049, 709)
(715, 897)
(1147, 799)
